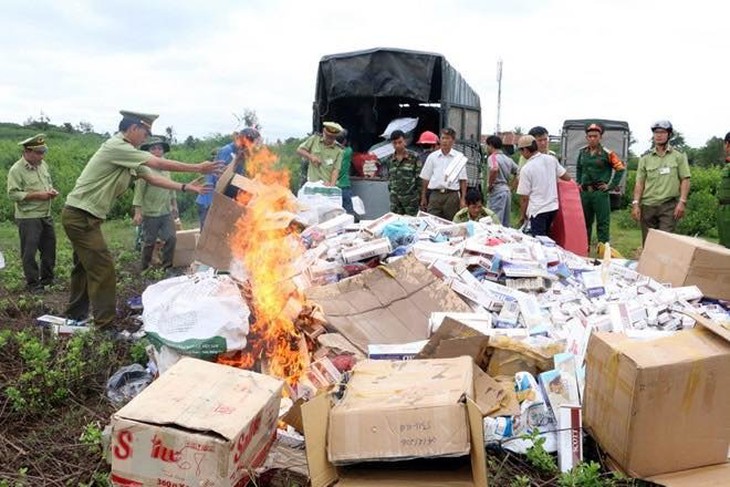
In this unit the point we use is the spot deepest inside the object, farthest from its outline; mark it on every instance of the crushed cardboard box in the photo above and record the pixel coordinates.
(386, 305)
(200, 423)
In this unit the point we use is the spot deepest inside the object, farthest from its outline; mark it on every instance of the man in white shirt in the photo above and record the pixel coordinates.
(538, 187)
(444, 176)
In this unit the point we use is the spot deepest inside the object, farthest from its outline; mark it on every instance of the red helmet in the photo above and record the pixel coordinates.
(428, 138)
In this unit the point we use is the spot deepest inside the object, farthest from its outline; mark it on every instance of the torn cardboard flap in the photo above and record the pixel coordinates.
(378, 307)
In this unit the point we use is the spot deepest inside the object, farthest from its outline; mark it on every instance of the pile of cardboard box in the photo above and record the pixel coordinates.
(466, 307)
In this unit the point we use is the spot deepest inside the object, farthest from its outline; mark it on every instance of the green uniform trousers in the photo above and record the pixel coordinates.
(162, 227)
(659, 217)
(37, 235)
(404, 204)
(723, 225)
(444, 205)
(597, 206)
(93, 279)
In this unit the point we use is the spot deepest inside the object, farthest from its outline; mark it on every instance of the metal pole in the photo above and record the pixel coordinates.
(499, 95)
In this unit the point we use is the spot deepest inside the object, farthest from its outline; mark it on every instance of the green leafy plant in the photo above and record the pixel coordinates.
(537, 456)
(521, 481)
(53, 370)
(91, 436)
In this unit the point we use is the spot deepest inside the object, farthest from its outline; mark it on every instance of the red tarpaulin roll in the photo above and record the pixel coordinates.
(569, 226)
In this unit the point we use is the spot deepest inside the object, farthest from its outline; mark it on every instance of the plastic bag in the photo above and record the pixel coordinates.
(126, 383)
(200, 316)
(399, 233)
(405, 124)
(2, 260)
(319, 203)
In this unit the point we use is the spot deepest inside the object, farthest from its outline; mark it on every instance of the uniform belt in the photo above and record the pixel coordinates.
(444, 190)
(590, 187)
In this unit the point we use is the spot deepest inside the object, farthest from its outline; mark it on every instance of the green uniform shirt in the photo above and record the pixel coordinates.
(723, 189)
(23, 179)
(403, 175)
(153, 200)
(462, 216)
(343, 180)
(661, 175)
(331, 157)
(107, 175)
(603, 166)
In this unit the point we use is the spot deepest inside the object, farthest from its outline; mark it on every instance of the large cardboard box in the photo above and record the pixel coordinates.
(386, 305)
(400, 410)
(685, 261)
(417, 428)
(200, 423)
(185, 244)
(662, 405)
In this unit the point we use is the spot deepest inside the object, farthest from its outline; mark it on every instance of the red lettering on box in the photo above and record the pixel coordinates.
(123, 449)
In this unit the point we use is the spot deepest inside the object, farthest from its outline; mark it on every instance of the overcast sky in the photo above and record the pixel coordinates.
(197, 63)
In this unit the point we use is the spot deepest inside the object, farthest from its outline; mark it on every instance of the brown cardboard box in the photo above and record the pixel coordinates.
(186, 242)
(712, 476)
(316, 416)
(660, 406)
(685, 261)
(388, 304)
(399, 410)
(200, 423)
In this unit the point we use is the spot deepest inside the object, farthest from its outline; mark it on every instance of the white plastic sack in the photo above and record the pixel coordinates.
(405, 124)
(200, 316)
(2, 261)
(319, 202)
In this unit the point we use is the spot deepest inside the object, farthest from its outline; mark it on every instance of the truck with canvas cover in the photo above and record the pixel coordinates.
(616, 137)
(365, 91)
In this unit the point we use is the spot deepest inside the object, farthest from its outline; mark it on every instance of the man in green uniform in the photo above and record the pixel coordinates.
(343, 180)
(105, 177)
(474, 209)
(662, 184)
(598, 171)
(30, 187)
(323, 155)
(723, 195)
(155, 209)
(403, 181)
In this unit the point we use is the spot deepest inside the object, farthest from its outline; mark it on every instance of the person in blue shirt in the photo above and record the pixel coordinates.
(226, 154)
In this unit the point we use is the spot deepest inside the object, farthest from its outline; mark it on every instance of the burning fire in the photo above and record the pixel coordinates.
(269, 246)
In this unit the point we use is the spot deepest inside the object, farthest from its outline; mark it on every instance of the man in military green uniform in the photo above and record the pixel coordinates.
(322, 155)
(105, 177)
(155, 209)
(31, 188)
(598, 171)
(662, 183)
(403, 181)
(723, 195)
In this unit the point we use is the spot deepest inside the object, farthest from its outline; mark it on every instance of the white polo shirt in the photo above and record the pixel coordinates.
(434, 170)
(539, 181)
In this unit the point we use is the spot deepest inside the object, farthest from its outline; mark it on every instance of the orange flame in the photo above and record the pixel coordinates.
(269, 247)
